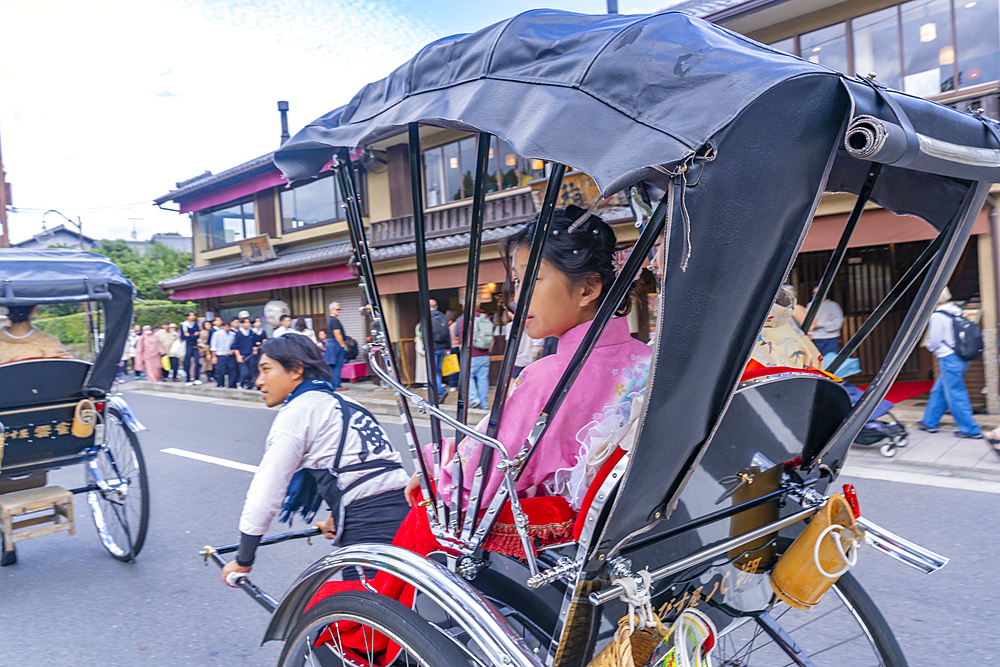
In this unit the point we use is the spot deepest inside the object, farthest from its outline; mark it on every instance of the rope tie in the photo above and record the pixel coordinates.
(638, 600)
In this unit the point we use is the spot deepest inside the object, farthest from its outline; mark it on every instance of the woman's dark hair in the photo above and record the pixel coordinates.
(19, 313)
(585, 252)
(300, 324)
(293, 350)
(206, 325)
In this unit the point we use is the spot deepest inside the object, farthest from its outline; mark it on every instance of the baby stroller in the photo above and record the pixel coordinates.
(888, 433)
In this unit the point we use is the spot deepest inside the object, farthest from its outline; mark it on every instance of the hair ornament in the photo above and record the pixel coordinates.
(585, 217)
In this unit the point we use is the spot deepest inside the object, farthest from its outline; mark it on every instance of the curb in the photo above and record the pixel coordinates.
(940, 469)
(367, 397)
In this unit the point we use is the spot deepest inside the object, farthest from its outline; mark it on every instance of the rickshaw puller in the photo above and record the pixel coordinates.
(311, 457)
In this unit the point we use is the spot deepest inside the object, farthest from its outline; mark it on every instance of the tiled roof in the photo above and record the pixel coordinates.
(191, 186)
(226, 271)
(339, 250)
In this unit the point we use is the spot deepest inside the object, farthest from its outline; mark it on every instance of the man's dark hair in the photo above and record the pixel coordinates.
(293, 350)
(285, 317)
(18, 314)
(190, 312)
(245, 319)
(233, 319)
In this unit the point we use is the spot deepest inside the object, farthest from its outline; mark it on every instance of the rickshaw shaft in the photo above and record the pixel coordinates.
(615, 591)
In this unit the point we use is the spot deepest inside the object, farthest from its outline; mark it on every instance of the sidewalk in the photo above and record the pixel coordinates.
(941, 452)
(938, 453)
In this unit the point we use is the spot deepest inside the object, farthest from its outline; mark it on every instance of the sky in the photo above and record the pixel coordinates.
(106, 105)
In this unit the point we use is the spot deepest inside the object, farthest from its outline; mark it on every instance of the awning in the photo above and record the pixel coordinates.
(876, 227)
(331, 274)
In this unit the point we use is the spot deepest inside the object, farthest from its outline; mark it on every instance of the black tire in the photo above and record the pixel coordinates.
(121, 519)
(422, 642)
(7, 557)
(872, 620)
(846, 628)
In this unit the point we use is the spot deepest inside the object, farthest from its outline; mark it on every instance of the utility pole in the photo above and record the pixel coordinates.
(4, 203)
(612, 6)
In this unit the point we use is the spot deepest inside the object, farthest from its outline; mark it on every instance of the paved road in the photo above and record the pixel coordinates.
(66, 602)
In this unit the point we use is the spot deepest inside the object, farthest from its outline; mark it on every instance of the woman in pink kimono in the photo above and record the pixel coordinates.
(147, 354)
(575, 274)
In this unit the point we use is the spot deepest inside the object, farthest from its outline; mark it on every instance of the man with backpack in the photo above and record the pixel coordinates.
(955, 341)
(479, 358)
(442, 343)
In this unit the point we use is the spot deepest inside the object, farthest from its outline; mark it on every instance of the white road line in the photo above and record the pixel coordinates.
(906, 477)
(210, 459)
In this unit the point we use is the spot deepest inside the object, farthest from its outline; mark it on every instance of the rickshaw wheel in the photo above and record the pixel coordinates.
(121, 518)
(420, 642)
(824, 635)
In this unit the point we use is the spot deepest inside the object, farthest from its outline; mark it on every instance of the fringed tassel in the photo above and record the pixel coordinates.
(301, 497)
(503, 537)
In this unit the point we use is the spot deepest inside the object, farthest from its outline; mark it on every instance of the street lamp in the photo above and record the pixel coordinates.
(78, 224)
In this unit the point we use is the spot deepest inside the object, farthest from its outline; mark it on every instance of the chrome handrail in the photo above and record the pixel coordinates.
(424, 407)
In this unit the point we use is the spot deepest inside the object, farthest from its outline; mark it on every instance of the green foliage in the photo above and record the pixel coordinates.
(69, 329)
(159, 263)
(72, 329)
(158, 312)
(56, 310)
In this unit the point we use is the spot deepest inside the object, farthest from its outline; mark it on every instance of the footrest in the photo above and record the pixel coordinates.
(31, 501)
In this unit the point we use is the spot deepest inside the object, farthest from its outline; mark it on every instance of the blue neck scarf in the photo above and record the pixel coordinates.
(311, 385)
(302, 495)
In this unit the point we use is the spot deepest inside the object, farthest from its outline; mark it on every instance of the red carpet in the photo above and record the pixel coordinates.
(901, 391)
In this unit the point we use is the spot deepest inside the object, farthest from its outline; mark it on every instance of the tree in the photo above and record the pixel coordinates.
(145, 271)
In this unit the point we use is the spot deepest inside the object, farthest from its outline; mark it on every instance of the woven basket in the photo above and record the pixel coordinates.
(631, 650)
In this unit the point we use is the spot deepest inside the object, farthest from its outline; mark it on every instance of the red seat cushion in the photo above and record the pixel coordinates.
(588, 499)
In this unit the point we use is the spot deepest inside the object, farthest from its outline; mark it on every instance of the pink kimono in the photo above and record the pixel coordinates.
(147, 356)
(599, 400)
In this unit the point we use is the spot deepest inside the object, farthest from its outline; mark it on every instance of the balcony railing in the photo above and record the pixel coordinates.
(506, 210)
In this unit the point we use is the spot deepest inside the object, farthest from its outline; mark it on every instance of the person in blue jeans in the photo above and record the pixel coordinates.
(336, 345)
(479, 368)
(949, 390)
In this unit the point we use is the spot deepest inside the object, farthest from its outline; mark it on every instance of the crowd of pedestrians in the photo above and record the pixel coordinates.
(226, 351)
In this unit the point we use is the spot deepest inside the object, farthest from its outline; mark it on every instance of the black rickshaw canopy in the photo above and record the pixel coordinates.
(55, 275)
(647, 98)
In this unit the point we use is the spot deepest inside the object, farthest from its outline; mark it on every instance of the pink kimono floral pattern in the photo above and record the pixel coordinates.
(600, 398)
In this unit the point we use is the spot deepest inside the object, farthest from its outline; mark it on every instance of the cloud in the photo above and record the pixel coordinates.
(113, 102)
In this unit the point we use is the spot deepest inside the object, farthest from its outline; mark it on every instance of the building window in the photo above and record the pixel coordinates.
(826, 46)
(977, 33)
(876, 46)
(449, 170)
(223, 226)
(314, 203)
(786, 45)
(928, 51)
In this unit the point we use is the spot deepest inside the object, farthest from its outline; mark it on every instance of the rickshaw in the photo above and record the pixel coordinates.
(734, 143)
(57, 412)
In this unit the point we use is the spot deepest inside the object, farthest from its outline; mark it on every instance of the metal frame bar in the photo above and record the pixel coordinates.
(423, 296)
(841, 250)
(699, 557)
(472, 276)
(380, 336)
(890, 300)
(956, 234)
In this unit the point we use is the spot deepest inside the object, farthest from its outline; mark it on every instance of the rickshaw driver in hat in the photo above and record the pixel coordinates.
(321, 446)
(20, 340)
